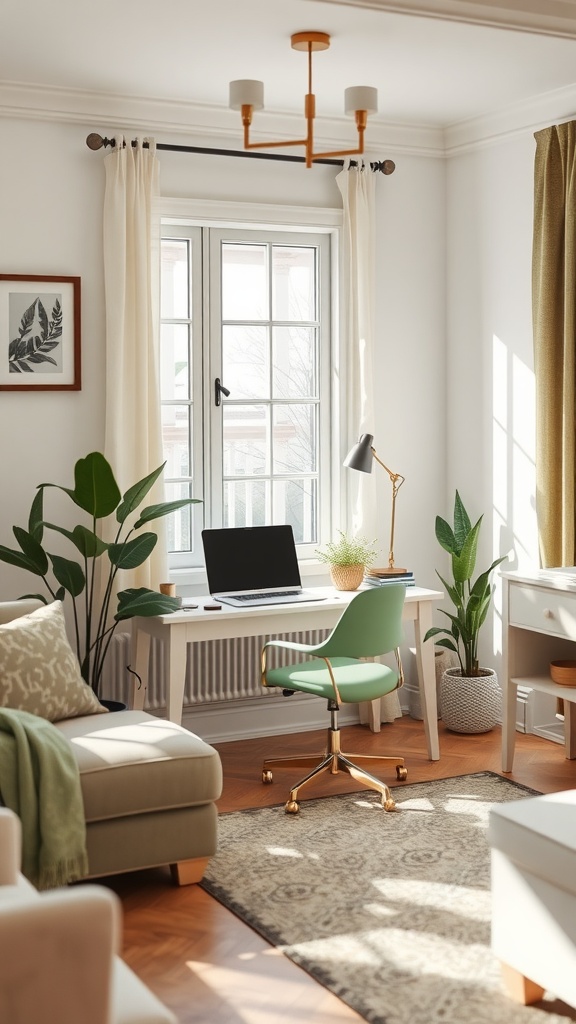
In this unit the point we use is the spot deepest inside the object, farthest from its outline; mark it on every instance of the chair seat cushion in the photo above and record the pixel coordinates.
(356, 680)
(131, 762)
(539, 835)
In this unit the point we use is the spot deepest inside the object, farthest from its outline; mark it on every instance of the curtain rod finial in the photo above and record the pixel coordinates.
(94, 141)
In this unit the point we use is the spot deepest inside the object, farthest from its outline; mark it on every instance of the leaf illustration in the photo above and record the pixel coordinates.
(43, 321)
(27, 318)
(37, 357)
(37, 337)
(55, 326)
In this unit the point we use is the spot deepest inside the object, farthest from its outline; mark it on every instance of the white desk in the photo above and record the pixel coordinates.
(539, 626)
(184, 627)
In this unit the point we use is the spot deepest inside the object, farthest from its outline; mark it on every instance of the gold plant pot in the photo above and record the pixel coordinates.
(347, 577)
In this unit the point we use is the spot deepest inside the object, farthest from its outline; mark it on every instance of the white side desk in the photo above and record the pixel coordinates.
(539, 626)
(184, 627)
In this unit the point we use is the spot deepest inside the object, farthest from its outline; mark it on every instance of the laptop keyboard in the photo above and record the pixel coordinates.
(258, 597)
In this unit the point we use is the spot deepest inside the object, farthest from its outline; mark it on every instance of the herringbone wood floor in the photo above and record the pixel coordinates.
(209, 967)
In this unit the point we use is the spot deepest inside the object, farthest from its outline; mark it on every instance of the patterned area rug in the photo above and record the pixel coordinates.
(391, 912)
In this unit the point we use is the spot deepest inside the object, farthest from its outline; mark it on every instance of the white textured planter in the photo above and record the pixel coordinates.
(470, 704)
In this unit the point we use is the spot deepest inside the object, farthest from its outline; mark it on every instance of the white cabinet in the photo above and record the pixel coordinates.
(539, 626)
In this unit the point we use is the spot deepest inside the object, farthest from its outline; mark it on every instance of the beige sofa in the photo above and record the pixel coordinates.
(59, 960)
(149, 788)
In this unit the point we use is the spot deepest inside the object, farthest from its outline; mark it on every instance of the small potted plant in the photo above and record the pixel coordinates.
(347, 558)
(470, 699)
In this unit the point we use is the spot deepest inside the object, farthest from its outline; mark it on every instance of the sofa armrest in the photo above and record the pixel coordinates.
(57, 957)
(10, 847)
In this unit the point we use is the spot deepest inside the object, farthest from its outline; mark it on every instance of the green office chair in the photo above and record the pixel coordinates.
(370, 625)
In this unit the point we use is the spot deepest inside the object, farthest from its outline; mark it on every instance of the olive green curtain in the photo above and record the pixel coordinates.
(554, 319)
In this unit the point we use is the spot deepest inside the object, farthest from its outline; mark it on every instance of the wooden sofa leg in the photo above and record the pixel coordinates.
(521, 989)
(187, 872)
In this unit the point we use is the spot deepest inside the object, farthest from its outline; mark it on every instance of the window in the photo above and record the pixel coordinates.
(249, 309)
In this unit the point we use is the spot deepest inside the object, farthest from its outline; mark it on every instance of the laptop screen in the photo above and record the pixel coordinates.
(250, 558)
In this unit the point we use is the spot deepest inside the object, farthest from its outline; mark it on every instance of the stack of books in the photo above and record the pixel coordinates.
(382, 577)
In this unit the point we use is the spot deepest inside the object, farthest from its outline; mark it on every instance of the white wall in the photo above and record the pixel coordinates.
(51, 209)
(51, 192)
(490, 441)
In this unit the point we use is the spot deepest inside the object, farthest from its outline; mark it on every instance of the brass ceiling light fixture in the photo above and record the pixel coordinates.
(247, 96)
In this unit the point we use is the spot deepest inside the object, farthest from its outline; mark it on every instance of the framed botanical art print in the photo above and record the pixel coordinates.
(39, 333)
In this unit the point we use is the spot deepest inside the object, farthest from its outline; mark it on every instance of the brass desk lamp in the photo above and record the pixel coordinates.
(361, 457)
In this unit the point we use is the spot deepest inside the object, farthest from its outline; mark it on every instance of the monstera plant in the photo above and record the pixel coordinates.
(97, 494)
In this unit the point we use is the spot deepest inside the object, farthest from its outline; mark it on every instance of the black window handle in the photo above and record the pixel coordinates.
(219, 390)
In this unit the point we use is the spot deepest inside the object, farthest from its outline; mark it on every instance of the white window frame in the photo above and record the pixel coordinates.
(183, 218)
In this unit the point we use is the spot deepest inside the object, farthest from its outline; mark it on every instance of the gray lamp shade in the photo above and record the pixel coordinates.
(361, 457)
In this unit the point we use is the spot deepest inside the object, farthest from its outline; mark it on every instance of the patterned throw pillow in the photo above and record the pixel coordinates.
(39, 671)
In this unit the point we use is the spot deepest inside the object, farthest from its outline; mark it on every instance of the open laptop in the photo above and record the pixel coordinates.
(253, 565)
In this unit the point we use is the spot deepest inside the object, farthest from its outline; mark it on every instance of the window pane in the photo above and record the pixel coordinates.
(176, 439)
(175, 276)
(295, 502)
(246, 503)
(179, 524)
(294, 361)
(294, 439)
(293, 283)
(246, 431)
(244, 282)
(245, 361)
(174, 361)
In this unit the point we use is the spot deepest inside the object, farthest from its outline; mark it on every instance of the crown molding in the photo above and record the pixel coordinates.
(544, 17)
(148, 116)
(522, 118)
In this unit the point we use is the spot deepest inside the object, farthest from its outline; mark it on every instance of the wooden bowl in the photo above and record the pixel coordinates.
(563, 672)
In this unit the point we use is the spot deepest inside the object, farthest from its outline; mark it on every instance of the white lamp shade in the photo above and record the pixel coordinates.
(246, 92)
(361, 97)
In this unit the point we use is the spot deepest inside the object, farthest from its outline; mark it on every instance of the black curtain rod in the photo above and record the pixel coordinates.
(96, 142)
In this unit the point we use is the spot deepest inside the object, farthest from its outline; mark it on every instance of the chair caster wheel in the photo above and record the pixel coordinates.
(389, 805)
(266, 776)
(401, 773)
(292, 807)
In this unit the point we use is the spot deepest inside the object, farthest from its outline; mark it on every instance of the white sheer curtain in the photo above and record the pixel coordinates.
(358, 189)
(133, 440)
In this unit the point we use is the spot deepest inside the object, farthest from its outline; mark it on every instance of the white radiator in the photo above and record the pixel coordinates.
(217, 670)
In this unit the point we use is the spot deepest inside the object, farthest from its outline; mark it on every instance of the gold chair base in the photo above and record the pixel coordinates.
(335, 761)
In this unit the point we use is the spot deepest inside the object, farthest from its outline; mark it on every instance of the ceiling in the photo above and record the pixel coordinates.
(428, 71)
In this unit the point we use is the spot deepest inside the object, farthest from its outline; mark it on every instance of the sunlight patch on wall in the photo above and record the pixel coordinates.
(514, 528)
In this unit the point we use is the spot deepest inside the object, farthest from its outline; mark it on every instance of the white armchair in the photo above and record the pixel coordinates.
(58, 952)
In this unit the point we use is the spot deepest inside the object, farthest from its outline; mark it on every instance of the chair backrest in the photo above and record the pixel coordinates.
(370, 625)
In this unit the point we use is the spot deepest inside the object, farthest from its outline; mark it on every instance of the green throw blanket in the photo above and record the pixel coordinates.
(40, 782)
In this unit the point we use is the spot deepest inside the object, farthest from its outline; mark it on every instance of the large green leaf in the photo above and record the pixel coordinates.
(69, 574)
(132, 552)
(13, 557)
(449, 644)
(95, 488)
(35, 523)
(32, 549)
(453, 593)
(163, 509)
(434, 631)
(140, 601)
(134, 495)
(462, 524)
(35, 597)
(88, 543)
(464, 563)
(445, 535)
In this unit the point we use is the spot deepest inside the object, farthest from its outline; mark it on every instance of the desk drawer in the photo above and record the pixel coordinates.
(548, 611)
